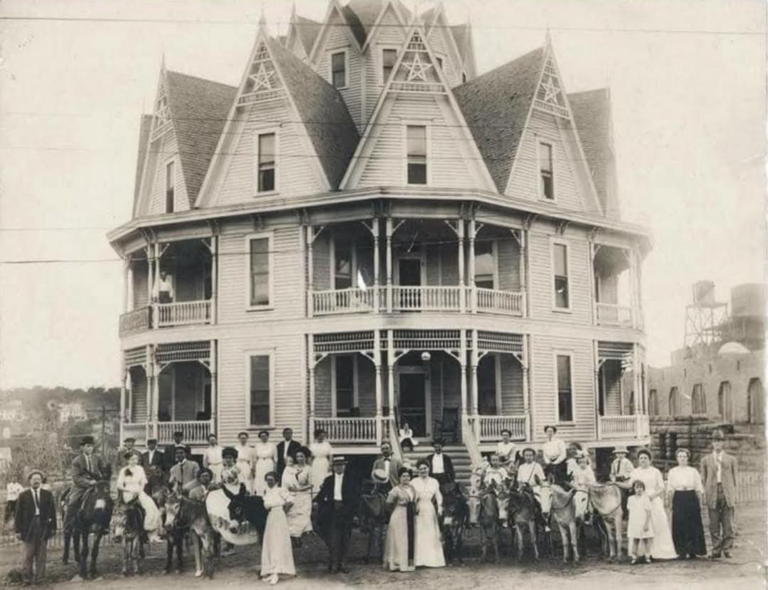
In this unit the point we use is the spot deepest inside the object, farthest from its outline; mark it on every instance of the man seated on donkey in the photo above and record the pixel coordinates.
(530, 477)
(87, 471)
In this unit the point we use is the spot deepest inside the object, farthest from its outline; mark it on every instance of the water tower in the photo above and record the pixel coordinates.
(705, 318)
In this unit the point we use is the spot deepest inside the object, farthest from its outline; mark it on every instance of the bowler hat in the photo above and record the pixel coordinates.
(339, 460)
(129, 439)
(87, 440)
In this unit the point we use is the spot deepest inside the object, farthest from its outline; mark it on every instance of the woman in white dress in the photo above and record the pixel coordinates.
(495, 473)
(507, 450)
(398, 549)
(212, 458)
(322, 455)
(265, 455)
(662, 546)
(130, 484)
(245, 461)
(428, 548)
(276, 551)
(297, 479)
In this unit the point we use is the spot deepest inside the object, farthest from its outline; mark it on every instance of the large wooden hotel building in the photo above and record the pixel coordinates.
(366, 231)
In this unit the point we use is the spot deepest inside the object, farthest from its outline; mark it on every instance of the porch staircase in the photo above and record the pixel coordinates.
(457, 452)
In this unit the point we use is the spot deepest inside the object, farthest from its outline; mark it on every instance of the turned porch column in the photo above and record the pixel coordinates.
(311, 370)
(462, 298)
(214, 384)
(377, 385)
(310, 279)
(391, 372)
(214, 277)
(526, 391)
(376, 230)
(471, 264)
(463, 364)
(389, 266)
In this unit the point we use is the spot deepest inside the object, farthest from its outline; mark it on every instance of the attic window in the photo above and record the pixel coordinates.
(463, 77)
(266, 162)
(170, 186)
(546, 171)
(339, 69)
(388, 59)
(417, 154)
(439, 62)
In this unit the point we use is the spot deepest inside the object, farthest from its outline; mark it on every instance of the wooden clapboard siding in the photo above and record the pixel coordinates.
(524, 182)
(390, 35)
(323, 388)
(611, 375)
(511, 385)
(541, 275)
(166, 149)
(321, 262)
(296, 165)
(234, 279)
(140, 294)
(509, 264)
(139, 408)
(544, 394)
(338, 38)
(286, 351)
(366, 386)
(385, 164)
(440, 47)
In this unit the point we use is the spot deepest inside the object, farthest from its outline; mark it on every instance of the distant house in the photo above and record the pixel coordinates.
(71, 412)
(11, 411)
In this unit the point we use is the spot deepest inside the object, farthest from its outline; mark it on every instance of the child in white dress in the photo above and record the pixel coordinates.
(640, 528)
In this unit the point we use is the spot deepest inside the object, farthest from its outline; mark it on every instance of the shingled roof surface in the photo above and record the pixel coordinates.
(199, 109)
(323, 111)
(145, 126)
(496, 106)
(362, 14)
(308, 31)
(592, 115)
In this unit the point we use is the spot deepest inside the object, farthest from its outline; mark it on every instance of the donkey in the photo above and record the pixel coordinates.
(522, 513)
(374, 517)
(455, 520)
(489, 520)
(245, 510)
(93, 517)
(128, 529)
(568, 509)
(606, 500)
(182, 513)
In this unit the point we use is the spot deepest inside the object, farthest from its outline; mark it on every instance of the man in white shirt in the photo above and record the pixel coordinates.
(386, 467)
(337, 503)
(440, 464)
(554, 453)
(530, 476)
(165, 288)
(718, 475)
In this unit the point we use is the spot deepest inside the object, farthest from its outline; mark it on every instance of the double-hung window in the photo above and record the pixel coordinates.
(339, 69)
(260, 390)
(170, 186)
(260, 272)
(416, 140)
(485, 264)
(561, 286)
(546, 171)
(388, 59)
(344, 384)
(266, 162)
(564, 389)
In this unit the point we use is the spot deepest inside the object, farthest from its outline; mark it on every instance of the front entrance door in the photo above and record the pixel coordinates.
(413, 402)
(409, 275)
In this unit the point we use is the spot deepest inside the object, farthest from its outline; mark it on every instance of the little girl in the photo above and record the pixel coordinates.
(639, 529)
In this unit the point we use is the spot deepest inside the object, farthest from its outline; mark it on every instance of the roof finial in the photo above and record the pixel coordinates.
(548, 37)
(262, 18)
(293, 10)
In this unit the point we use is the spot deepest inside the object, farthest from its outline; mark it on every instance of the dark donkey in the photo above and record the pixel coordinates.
(374, 517)
(93, 517)
(455, 520)
(184, 514)
(246, 510)
(128, 529)
(522, 514)
(174, 532)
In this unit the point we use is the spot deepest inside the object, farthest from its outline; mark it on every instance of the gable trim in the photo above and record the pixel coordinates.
(333, 6)
(376, 26)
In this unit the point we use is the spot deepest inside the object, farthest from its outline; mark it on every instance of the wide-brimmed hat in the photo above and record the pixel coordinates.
(87, 440)
(718, 434)
(129, 439)
(33, 472)
(339, 460)
(621, 449)
(380, 475)
(151, 440)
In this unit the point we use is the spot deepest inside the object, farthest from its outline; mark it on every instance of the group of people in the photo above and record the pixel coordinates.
(293, 480)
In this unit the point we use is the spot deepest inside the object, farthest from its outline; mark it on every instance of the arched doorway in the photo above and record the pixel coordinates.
(755, 397)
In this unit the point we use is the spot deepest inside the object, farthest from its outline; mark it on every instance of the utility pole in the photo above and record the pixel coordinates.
(103, 431)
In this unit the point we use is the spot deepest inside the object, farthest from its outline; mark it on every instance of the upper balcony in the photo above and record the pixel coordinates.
(615, 287)
(416, 265)
(167, 285)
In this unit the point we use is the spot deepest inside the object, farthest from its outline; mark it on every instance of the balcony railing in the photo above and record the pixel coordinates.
(426, 298)
(354, 300)
(183, 313)
(135, 321)
(491, 427)
(610, 314)
(623, 427)
(495, 301)
(138, 431)
(348, 430)
(195, 431)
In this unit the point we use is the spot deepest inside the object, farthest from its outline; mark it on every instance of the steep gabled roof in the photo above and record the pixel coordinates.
(199, 109)
(363, 14)
(322, 110)
(592, 116)
(145, 126)
(308, 31)
(496, 107)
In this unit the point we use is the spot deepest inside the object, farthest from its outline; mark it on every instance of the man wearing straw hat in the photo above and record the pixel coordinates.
(35, 524)
(386, 467)
(718, 474)
(337, 503)
(621, 472)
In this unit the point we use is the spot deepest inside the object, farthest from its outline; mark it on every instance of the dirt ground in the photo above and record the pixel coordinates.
(746, 570)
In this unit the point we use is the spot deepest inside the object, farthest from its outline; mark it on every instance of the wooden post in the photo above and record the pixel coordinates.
(473, 370)
(214, 384)
(523, 269)
(462, 299)
(463, 363)
(122, 395)
(592, 279)
(389, 267)
(376, 229)
(126, 285)
(311, 366)
(471, 261)
(377, 385)
(310, 278)
(150, 274)
(526, 393)
(391, 372)
(214, 277)
(156, 320)
(596, 385)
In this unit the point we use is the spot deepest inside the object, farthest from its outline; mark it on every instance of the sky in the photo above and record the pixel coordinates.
(687, 81)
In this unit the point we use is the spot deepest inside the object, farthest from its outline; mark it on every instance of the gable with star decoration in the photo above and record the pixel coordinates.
(261, 81)
(417, 100)
(550, 97)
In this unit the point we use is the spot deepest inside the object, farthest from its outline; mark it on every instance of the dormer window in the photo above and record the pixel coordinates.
(416, 139)
(267, 162)
(339, 69)
(546, 171)
(170, 186)
(388, 59)
(439, 62)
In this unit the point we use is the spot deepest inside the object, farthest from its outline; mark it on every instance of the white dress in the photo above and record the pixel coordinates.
(213, 461)
(300, 514)
(428, 548)
(507, 452)
(321, 462)
(662, 546)
(266, 459)
(132, 480)
(245, 464)
(276, 551)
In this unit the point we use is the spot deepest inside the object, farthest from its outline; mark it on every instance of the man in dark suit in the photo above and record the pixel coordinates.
(286, 448)
(718, 476)
(386, 468)
(337, 504)
(153, 463)
(87, 470)
(128, 447)
(35, 524)
(440, 464)
(169, 455)
(185, 471)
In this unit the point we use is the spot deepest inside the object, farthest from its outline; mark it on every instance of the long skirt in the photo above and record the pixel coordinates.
(276, 551)
(687, 528)
(152, 519)
(320, 470)
(263, 466)
(662, 546)
(428, 546)
(399, 547)
(300, 514)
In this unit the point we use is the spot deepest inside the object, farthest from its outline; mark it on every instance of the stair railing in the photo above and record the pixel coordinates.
(468, 437)
(394, 439)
